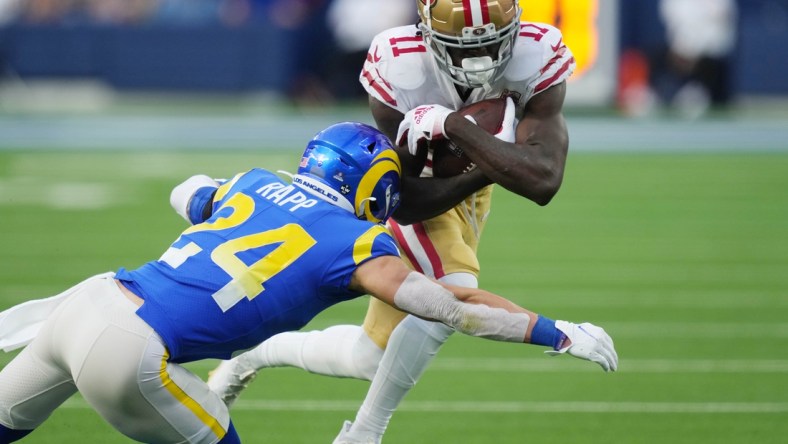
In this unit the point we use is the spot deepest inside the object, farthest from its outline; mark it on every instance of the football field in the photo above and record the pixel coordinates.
(681, 255)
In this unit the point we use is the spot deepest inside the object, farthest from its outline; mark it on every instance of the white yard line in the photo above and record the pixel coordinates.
(559, 365)
(314, 405)
(626, 365)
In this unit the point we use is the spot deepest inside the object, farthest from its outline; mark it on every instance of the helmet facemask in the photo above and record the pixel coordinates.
(489, 47)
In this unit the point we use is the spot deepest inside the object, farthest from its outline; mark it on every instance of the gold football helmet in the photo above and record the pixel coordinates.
(471, 40)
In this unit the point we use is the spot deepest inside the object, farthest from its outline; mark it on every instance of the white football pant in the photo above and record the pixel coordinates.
(94, 343)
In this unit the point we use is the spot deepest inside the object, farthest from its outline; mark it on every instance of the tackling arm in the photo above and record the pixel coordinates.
(532, 166)
(422, 197)
(479, 313)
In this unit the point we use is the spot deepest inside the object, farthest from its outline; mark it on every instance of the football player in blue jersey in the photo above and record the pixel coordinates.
(262, 256)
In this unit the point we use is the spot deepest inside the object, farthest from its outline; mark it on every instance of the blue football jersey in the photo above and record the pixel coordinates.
(269, 259)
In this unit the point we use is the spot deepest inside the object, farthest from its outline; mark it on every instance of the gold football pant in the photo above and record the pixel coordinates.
(436, 247)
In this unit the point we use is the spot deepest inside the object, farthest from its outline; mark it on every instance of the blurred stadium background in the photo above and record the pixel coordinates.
(671, 229)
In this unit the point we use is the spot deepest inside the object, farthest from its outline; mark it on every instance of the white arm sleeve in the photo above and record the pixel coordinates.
(182, 194)
(422, 297)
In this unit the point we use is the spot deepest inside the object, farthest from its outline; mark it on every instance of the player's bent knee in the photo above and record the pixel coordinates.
(343, 351)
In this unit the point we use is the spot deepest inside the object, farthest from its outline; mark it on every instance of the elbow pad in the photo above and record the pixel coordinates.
(422, 297)
(190, 197)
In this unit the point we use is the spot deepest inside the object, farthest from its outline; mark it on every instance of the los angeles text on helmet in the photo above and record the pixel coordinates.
(313, 186)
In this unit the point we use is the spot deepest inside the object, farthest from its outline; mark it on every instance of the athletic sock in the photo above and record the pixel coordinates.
(410, 349)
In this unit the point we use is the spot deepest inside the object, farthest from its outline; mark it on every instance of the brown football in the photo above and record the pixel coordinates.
(447, 158)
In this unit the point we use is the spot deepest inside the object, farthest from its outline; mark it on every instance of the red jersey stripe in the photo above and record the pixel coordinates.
(558, 56)
(403, 245)
(376, 86)
(429, 249)
(544, 84)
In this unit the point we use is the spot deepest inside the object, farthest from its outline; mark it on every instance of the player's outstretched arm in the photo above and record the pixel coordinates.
(479, 313)
(422, 197)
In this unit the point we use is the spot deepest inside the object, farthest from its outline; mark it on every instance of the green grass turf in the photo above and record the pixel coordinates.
(682, 257)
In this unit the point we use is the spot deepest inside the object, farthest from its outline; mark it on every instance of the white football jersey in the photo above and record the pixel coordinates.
(400, 72)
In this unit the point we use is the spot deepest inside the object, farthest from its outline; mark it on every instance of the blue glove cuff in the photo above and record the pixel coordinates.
(545, 333)
(199, 200)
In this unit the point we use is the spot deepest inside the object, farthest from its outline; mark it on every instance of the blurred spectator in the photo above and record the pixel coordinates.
(694, 72)
(119, 11)
(304, 24)
(113, 12)
(9, 10)
(353, 24)
(46, 11)
(318, 46)
(185, 12)
(634, 96)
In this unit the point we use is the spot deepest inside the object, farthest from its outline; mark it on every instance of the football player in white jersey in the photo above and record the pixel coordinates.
(460, 52)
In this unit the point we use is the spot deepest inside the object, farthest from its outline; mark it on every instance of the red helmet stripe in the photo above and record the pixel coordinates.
(476, 12)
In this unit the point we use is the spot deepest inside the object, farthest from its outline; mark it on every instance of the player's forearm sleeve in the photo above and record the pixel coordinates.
(190, 198)
(422, 297)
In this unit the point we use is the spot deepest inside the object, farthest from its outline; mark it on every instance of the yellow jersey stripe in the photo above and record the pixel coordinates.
(362, 249)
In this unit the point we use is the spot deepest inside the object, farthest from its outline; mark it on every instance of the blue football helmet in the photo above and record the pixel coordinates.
(353, 166)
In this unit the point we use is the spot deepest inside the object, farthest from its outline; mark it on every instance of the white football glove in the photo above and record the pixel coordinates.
(507, 133)
(589, 342)
(422, 122)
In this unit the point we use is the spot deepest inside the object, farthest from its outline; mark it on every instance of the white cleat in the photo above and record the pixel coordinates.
(230, 378)
(347, 437)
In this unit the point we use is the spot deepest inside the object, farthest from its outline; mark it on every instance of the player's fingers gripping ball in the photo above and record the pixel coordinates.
(422, 122)
(491, 115)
